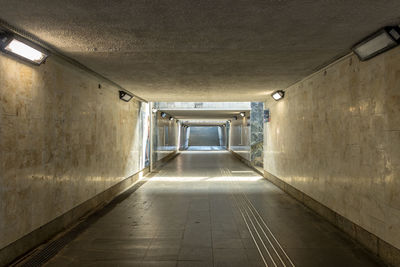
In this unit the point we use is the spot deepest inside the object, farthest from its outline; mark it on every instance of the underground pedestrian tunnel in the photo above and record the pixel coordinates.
(208, 133)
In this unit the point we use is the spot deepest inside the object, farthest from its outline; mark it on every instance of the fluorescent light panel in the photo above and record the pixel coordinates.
(278, 95)
(377, 43)
(25, 51)
(22, 49)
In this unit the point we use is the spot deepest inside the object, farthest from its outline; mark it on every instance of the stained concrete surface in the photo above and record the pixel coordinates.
(165, 137)
(336, 138)
(63, 141)
(191, 213)
(200, 50)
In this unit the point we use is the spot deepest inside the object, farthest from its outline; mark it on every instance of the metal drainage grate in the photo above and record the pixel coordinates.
(49, 251)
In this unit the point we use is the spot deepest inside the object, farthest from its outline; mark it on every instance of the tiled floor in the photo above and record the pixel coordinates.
(205, 148)
(197, 211)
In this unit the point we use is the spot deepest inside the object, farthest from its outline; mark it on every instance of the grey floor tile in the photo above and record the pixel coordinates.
(155, 263)
(248, 243)
(331, 257)
(225, 234)
(253, 255)
(197, 241)
(177, 234)
(230, 257)
(198, 224)
(196, 254)
(162, 254)
(227, 243)
(195, 264)
(166, 243)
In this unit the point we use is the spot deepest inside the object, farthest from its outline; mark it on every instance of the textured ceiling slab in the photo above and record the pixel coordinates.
(202, 50)
(205, 114)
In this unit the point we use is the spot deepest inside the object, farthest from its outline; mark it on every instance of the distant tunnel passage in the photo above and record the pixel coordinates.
(204, 136)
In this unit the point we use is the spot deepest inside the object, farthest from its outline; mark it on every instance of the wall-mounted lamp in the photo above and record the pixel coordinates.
(154, 110)
(125, 96)
(229, 121)
(22, 48)
(171, 118)
(278, 95)
(163, 114)
(242, 114)
(377, 43)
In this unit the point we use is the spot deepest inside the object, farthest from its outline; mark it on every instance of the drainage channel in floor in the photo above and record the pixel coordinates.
(41, 256)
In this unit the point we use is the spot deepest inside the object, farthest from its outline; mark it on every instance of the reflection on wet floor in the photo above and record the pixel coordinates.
(209, 209)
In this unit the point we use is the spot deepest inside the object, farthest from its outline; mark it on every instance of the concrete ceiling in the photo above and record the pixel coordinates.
(218, 115)
(203, 123)
(208, 50)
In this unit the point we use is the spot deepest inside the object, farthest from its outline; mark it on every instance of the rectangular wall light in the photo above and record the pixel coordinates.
(278, 95)
(22, 49)
(125, 96)
(377, 43)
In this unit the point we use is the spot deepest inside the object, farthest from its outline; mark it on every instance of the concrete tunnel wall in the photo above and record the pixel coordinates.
(63, 141)
(165, 136)
(336, 137)
(240, 137)
(183, 140)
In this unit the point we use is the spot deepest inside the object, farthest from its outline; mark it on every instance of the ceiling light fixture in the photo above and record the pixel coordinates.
(22, 48)
(377, 43)
(171, 118)
(242, 114)
(278, 95)
(125, 96)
